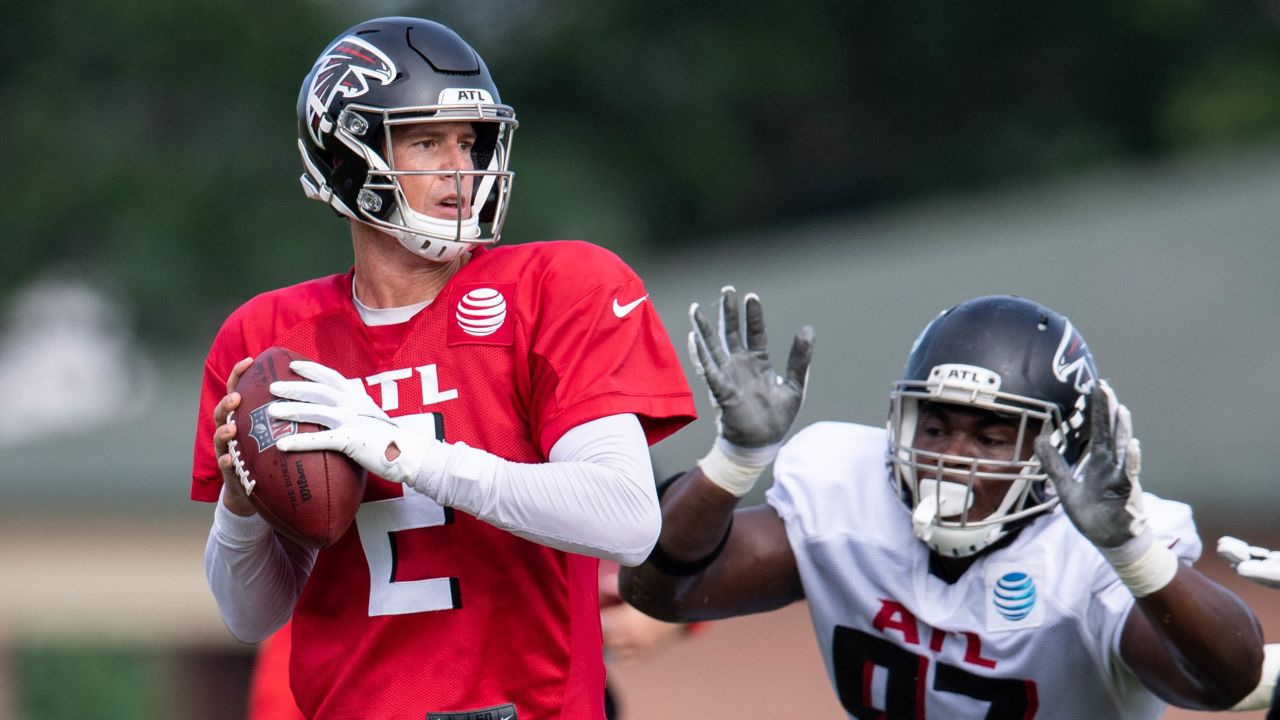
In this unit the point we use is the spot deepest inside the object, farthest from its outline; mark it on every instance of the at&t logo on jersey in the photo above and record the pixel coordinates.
(1015, 596)
(1013, 601)
(482, 314)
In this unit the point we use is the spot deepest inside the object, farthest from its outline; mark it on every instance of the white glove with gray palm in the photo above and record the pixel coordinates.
(1103, 497)
(755, 407)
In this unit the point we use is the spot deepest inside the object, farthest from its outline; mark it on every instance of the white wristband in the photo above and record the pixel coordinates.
(1260, 698)
(734, 469)
(1143, 564)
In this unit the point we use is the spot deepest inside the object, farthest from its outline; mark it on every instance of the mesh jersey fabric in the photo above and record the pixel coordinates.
(900, 642)
(419, 609)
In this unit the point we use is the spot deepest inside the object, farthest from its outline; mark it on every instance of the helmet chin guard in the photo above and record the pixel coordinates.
(1002, 355)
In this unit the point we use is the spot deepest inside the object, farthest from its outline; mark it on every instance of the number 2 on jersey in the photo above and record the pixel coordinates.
(377, 521)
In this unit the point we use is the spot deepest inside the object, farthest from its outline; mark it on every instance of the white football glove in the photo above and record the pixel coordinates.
(755, 406)
(358, 428)
(1250, 561)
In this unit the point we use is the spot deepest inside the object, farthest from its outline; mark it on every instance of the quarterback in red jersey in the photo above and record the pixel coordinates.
(502, 399)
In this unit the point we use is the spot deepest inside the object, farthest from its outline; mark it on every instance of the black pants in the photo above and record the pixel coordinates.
(610, 704)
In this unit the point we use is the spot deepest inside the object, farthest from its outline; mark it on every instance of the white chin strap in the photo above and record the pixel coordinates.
(426, 236)
(948, 499)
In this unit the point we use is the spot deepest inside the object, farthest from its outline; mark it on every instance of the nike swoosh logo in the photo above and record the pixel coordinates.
(622, 311)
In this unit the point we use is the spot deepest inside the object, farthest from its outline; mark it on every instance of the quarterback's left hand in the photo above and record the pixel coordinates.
(1101, 493)
(358, 428)
(1250, 561)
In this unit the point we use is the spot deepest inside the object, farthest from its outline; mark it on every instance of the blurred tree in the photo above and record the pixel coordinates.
(150, 145)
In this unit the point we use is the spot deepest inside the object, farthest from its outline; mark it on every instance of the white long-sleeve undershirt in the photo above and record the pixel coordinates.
(595, 497)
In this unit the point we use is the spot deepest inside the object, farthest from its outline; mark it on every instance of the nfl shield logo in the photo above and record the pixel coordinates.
(267, 430)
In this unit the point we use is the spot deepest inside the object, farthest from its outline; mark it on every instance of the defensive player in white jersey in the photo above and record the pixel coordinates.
(990, 555)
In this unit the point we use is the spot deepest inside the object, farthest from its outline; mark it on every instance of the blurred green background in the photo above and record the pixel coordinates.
(860, 164)
(147, 145)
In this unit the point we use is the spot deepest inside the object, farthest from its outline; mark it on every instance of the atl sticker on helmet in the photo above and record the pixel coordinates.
(454, 96)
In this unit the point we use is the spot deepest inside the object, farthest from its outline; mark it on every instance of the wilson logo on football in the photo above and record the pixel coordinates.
(482, 312)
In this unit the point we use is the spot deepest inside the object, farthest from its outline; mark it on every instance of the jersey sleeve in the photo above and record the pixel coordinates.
(250, 329)
(821, 477)
(599, 348)
(227, 349)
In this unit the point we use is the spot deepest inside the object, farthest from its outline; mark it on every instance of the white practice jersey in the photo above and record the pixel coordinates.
(1031, 630)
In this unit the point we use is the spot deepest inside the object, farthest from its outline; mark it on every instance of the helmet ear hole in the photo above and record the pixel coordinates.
(485, 145)
(489, 210)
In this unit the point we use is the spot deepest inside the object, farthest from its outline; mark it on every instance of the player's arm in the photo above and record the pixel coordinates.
(1262, 566)
(256, 576)
(713, 560)
(1190, 640)
(595, 496)
(1194, 643)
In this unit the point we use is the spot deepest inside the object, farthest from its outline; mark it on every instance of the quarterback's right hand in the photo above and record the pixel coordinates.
(1250, 561)
(233, 495)
(754, 405)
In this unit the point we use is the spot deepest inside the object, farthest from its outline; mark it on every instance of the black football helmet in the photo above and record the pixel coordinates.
(393, 71)
(1002, 354)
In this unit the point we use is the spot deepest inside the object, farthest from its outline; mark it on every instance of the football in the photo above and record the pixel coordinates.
(309, 497)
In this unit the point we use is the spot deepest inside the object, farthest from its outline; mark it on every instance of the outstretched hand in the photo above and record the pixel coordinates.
(755, 406)
(1101, 493)
(1250, 561)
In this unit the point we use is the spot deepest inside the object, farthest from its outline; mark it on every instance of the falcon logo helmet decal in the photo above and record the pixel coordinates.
(344, 69)
(1072, 362)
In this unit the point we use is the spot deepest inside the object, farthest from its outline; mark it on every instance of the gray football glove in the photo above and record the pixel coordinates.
(1101, 493)
(755, 406)
(1102, 496)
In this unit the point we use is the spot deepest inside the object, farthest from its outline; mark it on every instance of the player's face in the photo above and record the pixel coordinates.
(435, 146)
(975, 433)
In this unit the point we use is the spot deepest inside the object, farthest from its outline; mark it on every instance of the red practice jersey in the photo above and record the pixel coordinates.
(418, 609)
